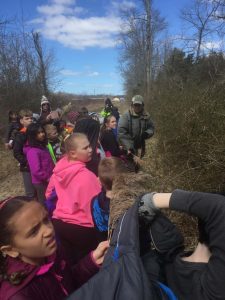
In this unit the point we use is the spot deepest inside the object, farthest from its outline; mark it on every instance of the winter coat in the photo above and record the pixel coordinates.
(133, 129)
(40, 163)
(52, 281)
(19, 142)
(193, 280)
(122, 275)
(75, 186)
(110, 144)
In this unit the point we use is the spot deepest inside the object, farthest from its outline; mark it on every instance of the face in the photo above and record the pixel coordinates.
(26, 121)
(111, 124)
(45, 107)
(53, 134)
(83, 151)
(40, 135)
(14, 117)
(34, 237)
(138, 108)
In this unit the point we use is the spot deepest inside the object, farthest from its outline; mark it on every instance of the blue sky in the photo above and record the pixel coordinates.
(83, 34)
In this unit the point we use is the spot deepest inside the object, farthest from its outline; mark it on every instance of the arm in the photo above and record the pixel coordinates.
(123, 132)
(18, 150)
(149, 131)
(210, 208)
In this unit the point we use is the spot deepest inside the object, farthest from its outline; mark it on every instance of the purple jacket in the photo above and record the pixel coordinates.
(40, 163)
(53, 281)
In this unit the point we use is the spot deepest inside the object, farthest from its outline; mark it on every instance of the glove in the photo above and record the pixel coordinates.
(144, 136)
(147, 209)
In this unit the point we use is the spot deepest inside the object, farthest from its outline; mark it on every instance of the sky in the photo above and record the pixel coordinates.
(83, 35)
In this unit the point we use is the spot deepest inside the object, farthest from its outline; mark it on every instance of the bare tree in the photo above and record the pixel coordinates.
(139, 38)
(202, 21)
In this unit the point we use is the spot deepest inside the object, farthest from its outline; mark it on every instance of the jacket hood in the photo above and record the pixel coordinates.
(28, 271)
(65, 170)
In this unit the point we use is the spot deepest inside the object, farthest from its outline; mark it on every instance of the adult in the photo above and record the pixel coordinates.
(135, 126)
(47, 116)
(110, 109)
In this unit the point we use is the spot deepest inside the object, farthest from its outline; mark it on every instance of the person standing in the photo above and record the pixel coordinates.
(135, 126)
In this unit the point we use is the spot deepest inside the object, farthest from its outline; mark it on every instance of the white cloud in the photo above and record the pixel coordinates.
(93, 74)
(123, 5)
(60, 21)
(66, 72)
(71, 73)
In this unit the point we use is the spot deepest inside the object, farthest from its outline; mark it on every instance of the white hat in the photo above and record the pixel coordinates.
(44, 100)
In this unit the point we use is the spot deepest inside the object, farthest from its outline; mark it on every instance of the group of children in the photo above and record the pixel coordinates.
(48, 253)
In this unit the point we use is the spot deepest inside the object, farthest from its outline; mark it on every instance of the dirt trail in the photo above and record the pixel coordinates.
(10, 178)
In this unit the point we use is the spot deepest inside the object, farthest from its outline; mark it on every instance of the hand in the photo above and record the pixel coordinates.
(145, 135)
(99, 253)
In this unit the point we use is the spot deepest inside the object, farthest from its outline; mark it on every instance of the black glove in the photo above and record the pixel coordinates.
(147, 208)
(144, 135)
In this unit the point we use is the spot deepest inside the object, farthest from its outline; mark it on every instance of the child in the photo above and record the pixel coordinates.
(54, 143)
(108, 138)
(75, 187)
(13, 128)
(25, 119)
(39, 159)
(31, 264)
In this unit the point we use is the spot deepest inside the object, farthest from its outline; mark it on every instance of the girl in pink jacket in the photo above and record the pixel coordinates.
(75, 187)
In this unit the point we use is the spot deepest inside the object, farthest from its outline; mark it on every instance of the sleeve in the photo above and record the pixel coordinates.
(34, 162)
(210, 208)
(149, 128)
(18, 150)
(84, 270)
(100, 211)
(123, 132)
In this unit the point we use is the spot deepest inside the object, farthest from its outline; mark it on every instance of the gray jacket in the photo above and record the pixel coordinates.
(134, 129)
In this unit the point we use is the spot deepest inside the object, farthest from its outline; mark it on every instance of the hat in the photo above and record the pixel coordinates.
(137, 99)
(44, 100)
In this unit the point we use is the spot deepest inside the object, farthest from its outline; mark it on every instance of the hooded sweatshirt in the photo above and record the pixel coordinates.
(75, 187)
(53, 281)
(40, 163)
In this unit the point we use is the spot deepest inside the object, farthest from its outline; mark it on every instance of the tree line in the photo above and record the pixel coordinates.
(183, 82)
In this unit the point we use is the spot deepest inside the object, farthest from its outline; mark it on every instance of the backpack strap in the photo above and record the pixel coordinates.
(168, 292)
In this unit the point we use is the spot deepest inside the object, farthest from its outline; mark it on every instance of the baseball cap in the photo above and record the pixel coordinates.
(137, 99)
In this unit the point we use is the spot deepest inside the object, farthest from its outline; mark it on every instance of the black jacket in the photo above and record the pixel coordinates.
(122, 275)
(20, 140)
(201, 281)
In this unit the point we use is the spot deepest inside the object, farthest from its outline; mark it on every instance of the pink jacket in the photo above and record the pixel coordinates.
(75, 187)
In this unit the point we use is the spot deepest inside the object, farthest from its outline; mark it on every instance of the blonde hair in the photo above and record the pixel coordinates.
(72, 141)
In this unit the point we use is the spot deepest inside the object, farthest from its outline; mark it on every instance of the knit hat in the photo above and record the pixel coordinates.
(44, 100)
(137, 99)
(73, 116)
